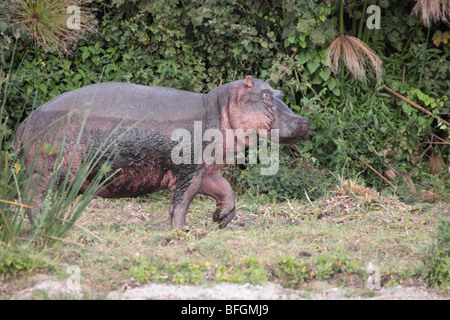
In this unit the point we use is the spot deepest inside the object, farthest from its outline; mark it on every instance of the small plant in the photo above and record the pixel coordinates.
(328, 265)
(186, 272)
(249, 270)
(162, 270)
(144, 272)
(351, 188)
(12, 212)
(186, 234)
(228, 275)
(254, 271)
(292, 273)
(12, 209)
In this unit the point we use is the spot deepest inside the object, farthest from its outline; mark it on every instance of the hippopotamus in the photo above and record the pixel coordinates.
(139, 122)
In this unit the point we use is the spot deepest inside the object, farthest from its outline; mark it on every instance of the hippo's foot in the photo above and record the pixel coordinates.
(218, 188)
(223, 215)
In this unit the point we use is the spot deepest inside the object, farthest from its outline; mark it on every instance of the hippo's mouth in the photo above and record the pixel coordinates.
(292, 140)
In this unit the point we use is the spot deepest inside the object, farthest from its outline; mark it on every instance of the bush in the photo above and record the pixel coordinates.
(161, 270)
(291, 272)
(291, 181)
(437, 260)
(20, 261)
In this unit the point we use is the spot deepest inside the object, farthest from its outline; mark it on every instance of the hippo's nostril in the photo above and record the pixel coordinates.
(303, 120)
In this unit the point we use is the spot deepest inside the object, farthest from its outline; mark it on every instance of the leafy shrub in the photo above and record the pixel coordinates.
(328, 265)
(18, 261)
(161, 270)
(437, 260)
(291, 273)
(249, 270)
(291, 181)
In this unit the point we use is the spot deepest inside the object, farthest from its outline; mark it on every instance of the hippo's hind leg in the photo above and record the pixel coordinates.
(218, 188)
(36, 188)
(182, 195)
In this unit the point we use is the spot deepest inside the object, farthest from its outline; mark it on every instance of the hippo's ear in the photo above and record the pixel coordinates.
(268, 81)
(248, 81)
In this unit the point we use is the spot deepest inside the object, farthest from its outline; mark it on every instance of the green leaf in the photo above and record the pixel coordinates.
(332, 84)
(325, 74)
(313, 65)
(336, 91)
(291, 38)
(316, 79)
(302, 57)
(302, 43)
(85, 55)
(43, 87)
(77, 77)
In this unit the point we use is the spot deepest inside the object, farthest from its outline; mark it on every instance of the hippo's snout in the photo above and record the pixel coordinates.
(304, 124)
(296, 130)
(303, 121)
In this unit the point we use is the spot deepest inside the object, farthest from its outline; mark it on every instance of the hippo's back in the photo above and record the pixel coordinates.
(118, 100)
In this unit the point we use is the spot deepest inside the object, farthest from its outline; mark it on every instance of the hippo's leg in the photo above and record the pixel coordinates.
(218, 188)
(36, 188)
(182, 195)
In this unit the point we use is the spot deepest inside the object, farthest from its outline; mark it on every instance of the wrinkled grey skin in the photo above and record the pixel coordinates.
(144, 119)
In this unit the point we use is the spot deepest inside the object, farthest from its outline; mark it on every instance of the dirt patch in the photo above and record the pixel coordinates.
(315, 290)
(271, 291)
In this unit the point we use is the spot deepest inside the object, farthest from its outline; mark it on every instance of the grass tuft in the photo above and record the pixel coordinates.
(357, 57)
(432, 11)
(46, 22)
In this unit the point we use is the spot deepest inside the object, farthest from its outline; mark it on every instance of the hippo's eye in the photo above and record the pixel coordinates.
(266, 96)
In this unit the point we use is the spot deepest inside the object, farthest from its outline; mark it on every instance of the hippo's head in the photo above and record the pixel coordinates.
(258, 106)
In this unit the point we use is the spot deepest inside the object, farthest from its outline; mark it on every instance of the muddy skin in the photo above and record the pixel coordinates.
(137, 123)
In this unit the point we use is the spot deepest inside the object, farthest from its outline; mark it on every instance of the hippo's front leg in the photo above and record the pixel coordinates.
(215, 186)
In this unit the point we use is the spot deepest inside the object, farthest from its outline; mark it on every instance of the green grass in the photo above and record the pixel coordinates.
(282, 242)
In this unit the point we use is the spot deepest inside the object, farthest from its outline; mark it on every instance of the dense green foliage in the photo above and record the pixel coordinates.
(200, 44)
(292, 180)
(437, 260)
